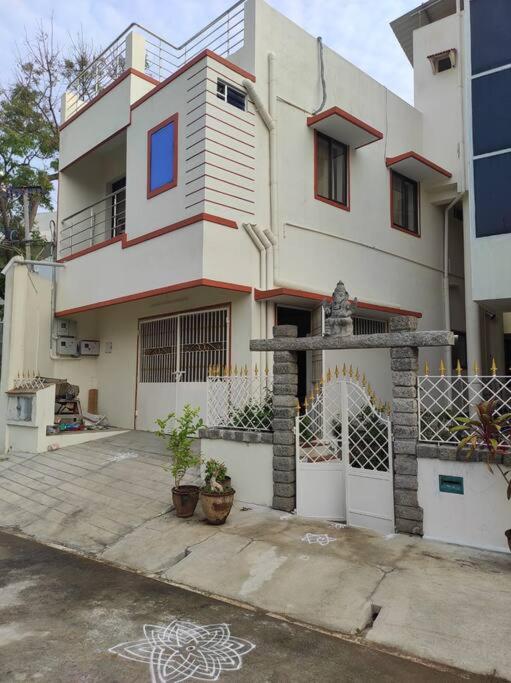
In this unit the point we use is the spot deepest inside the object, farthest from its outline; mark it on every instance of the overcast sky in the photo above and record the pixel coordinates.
(358, 29)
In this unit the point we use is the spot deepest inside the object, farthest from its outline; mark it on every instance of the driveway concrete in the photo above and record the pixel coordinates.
(110, 500)
(62, 615)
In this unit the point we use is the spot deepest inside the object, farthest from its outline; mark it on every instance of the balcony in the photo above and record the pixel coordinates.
(95, 224)
(142, 50)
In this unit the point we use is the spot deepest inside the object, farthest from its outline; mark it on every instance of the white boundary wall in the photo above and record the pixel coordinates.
(250, 466)
(477, 518)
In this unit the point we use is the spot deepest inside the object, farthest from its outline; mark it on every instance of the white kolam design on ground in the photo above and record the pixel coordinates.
(183, 651)
(320, 539)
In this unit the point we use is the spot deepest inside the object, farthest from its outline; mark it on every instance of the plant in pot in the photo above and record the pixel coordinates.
(491, 431)
(217, 495)
(179, 433)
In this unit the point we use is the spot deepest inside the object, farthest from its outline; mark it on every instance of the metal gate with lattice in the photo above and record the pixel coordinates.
(344, 461)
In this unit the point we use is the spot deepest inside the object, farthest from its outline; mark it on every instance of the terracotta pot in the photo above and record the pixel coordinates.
(508, 536)
(185, 499)
(216, 506)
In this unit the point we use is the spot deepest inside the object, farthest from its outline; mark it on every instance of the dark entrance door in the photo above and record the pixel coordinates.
(302, 319)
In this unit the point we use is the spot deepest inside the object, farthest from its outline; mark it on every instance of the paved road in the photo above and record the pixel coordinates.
(60, 614)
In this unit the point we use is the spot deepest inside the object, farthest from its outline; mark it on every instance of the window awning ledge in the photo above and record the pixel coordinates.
(417, 167)
(338, 124)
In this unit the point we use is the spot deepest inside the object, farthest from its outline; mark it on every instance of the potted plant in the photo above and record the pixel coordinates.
(217, 496)
(178, 433)
(491, 431)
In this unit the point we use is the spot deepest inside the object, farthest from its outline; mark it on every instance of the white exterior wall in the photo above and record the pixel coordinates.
(478, 518)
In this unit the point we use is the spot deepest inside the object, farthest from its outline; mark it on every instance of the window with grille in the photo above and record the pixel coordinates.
(369, 326)
(230, 95)
(185, 343)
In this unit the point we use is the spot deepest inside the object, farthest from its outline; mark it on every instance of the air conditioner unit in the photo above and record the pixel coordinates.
(89, 347)
(63, 327)
(67, 346)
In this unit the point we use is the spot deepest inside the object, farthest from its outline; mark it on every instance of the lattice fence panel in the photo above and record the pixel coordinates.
(240, 401)
(442, 398)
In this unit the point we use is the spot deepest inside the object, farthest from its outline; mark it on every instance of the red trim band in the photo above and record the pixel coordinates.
(125, 242)
(337, 111)
(191, 284)
(109, 87)
(390, 161)
(262, 295)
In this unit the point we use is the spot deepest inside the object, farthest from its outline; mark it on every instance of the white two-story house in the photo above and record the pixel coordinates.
(210, 190)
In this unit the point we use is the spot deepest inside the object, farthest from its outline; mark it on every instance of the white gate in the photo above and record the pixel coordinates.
(344, 462)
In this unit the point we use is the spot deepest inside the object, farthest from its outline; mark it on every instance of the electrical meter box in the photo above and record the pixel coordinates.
(64, 327)
(89, 347)
(67, 346)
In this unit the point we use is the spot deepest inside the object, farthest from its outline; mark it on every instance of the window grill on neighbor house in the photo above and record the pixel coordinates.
(183, 346)
(369, 325)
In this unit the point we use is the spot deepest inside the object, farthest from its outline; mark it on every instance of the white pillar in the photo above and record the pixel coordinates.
(135, 52)
(472, 310)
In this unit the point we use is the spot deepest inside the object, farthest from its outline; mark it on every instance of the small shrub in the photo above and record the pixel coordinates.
(179, 440)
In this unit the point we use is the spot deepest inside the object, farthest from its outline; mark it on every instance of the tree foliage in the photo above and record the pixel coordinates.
(29, 130)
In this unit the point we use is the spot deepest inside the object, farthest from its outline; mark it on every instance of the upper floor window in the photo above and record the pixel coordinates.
(443, 61)
(404, 203)
(230, 95)
(331, 164)
(162, 157)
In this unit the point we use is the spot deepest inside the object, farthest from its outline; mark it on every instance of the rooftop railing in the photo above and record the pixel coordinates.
(140, 48)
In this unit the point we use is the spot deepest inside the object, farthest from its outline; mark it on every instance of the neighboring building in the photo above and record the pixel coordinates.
(205, 194)
(45, 223)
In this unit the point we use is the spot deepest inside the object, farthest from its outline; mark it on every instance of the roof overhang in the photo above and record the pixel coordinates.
(417, 167)
(424, 14)
(338, 124)
(285, 296)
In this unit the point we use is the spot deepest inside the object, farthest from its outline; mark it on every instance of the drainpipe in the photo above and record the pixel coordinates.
(269, 279)
(445, 280)
(270, 121)
(263, 274)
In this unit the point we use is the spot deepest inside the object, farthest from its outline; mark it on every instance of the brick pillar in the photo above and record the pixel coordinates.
(285, 385)
(405, 430)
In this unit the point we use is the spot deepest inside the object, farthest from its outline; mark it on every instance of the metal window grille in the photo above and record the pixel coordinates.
(443, 398)
(183, 346)
(369, 325)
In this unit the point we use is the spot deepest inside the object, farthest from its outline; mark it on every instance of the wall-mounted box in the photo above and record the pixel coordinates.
(62, 327)
(449, 484)
(67, 346)
(89, 347)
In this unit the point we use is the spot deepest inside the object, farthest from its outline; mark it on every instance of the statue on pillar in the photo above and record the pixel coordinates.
(338, 314)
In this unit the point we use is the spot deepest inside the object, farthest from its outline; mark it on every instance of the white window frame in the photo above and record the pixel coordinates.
(223, 95)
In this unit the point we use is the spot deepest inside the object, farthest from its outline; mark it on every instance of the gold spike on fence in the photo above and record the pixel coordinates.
(266, 371)
(442, 367)
(344, 369)
(476, 368)
(328, 375)
(351, 371)
(426, 368)
(357, 375)
(256, 370)
(306, 403)
(336, 372)
(493, 367)
(364, 380)
(458, 367)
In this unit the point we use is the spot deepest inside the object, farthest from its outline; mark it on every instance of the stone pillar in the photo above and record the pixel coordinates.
(405, 429)
(285, 385)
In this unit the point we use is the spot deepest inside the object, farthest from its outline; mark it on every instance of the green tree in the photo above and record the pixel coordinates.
(29, 131)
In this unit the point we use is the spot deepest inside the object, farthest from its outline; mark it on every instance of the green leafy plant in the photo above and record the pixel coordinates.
(253, 414)
(178, 434)
(216, 475)
(491, 431)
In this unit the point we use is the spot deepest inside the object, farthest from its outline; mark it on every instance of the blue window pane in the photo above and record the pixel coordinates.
(491, 106)
(493, 203)
(162, 157)
(490, 22)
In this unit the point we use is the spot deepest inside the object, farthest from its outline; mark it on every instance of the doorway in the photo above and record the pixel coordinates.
(302, 319)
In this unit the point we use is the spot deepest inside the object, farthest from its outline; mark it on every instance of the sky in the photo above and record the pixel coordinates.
(357, 29)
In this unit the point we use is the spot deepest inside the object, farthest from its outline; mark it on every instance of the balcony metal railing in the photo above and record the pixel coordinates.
(224, 35)
(94, 224)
